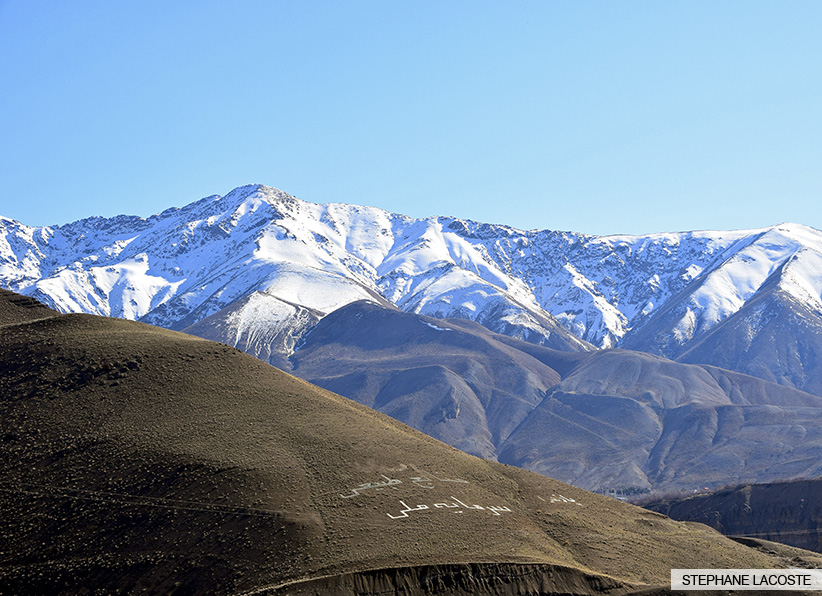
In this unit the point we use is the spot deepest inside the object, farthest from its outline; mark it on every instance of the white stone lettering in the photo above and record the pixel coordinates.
(375, 485)
(456, 505)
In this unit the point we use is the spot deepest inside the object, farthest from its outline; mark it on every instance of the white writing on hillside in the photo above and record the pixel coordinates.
(455, 506)
(427, 481)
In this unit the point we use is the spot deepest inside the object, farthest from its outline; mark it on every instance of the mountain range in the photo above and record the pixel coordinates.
(666, 361)
(748, 301)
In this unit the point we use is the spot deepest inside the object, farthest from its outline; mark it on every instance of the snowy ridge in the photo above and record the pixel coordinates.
(185, 264)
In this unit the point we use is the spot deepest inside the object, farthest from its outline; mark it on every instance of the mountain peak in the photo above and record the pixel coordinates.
(799, 233)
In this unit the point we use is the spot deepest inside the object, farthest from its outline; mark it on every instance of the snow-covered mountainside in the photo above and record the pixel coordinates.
(183, 265)
(661, 292)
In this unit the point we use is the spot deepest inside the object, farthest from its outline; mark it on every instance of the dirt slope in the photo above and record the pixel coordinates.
(15, 308)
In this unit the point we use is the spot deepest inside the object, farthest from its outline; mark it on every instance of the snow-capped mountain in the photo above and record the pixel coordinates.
(183, 265)
(663, 293)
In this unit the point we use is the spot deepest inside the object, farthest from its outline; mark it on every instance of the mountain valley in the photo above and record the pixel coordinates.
(786, 512)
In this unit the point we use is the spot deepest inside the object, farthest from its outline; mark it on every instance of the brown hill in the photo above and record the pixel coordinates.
(136, 459)
(15, 308)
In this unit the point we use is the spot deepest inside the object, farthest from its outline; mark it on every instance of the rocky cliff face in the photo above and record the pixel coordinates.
(787, 512)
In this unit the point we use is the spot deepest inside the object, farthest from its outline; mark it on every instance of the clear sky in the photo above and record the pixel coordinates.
(599, 117)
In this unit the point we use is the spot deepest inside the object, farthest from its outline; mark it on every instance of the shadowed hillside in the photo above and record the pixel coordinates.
(599, 420)
(769, 339)
(136, 459)
(788, 512)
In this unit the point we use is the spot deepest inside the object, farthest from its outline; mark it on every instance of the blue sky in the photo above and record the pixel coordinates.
(599, 117)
